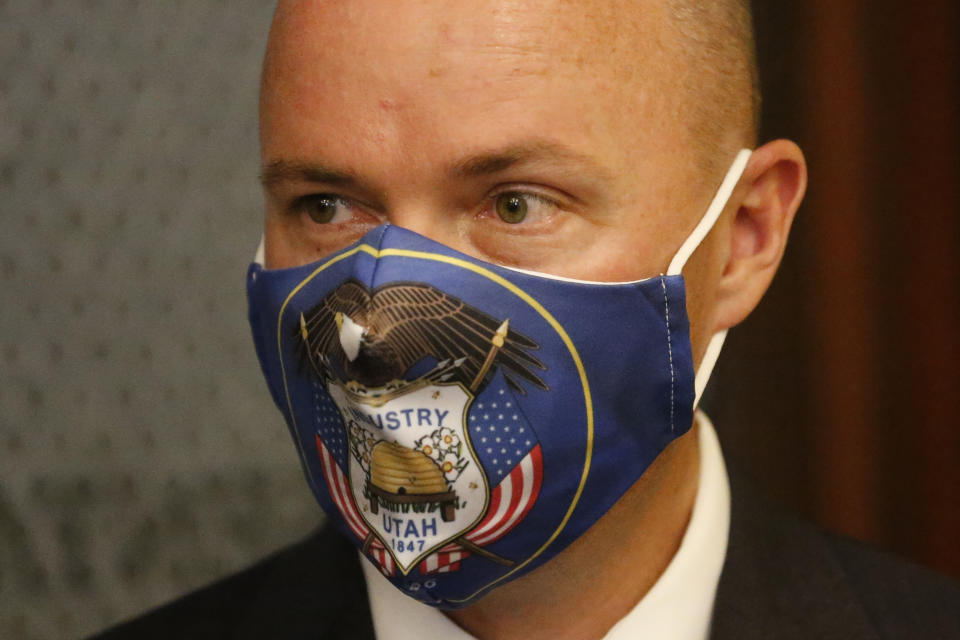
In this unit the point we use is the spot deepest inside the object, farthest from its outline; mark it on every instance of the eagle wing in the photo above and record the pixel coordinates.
(319, 335)
(419, 320)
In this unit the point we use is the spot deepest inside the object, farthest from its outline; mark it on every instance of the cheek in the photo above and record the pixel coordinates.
(286, 245)
(607, 254)
(278, 251)
(640, 246)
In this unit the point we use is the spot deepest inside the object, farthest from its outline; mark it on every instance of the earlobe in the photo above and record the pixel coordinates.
(773, 187)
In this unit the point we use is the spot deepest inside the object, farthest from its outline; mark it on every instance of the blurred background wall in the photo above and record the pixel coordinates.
(139, 453)
(851, 362)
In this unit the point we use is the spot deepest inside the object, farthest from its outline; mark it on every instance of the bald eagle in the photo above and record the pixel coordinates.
(376, 337)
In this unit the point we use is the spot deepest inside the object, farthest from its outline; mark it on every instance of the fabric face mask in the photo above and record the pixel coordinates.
(463, 422)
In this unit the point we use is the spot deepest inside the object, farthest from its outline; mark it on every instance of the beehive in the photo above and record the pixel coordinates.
(399, 470)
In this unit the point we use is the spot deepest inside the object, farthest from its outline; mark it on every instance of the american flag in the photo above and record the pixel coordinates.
(340, 491)
(509, 452)
(332, 447)
(329, 425)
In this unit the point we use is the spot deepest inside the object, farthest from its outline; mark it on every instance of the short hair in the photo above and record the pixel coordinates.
(723, 89)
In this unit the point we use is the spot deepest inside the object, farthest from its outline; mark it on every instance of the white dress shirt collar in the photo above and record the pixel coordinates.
(678, 606)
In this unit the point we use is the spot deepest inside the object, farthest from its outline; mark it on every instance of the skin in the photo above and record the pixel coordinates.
(423, 113)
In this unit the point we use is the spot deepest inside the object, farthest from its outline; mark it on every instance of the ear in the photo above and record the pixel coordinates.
(773, 185)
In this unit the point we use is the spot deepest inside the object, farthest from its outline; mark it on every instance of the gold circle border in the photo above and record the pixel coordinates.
(517, 291)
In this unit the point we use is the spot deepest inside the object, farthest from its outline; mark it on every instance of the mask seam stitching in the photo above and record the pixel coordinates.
(666, 305)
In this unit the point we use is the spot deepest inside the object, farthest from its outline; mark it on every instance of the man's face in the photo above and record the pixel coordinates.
(540, 135)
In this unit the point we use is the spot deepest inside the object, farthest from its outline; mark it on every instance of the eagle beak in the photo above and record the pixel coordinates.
(351, 335)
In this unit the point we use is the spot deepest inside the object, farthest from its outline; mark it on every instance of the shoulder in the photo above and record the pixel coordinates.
(784, 578)
(313, 589)
(903, 599)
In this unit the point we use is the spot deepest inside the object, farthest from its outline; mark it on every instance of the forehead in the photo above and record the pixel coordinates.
(397, 70)
(540, 35)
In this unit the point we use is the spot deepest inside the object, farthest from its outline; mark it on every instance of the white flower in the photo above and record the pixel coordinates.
(427, 445)
(449, 467)
(448, 438)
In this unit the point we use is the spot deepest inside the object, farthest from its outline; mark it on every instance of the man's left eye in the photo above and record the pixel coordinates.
(514, 207)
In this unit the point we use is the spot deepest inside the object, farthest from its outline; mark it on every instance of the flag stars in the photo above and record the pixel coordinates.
(496, 425)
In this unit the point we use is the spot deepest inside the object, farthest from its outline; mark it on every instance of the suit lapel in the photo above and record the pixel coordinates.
(781, 579)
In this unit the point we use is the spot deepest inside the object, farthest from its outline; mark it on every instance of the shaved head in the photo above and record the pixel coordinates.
(704, 52)
(721, 84)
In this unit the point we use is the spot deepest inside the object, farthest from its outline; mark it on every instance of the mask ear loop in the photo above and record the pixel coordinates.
(259, 257)
(690, 245)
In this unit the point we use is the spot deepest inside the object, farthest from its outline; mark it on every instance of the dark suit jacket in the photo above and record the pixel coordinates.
(782, 579)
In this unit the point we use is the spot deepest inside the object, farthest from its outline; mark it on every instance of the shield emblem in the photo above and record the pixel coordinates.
(413, 472)
(414, 485)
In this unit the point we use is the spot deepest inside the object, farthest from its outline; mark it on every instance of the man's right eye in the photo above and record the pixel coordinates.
(323, 208)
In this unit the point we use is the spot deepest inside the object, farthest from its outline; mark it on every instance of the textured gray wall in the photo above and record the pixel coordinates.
(139, 453)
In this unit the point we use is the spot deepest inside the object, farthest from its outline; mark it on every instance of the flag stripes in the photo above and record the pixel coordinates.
(340, 491)
(514, 497)
(383, 558)
(509, 503)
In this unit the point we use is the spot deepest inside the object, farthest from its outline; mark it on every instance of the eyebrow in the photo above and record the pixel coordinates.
(528, 152)
(280, 171)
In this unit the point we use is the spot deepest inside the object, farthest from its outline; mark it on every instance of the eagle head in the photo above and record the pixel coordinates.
(351, 335)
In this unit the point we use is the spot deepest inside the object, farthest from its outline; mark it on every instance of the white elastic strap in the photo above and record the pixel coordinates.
(713, 212)
(258, 258)
(707, 364)
(691, 244)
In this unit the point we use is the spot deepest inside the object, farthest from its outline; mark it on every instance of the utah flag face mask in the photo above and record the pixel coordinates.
(463, 422)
